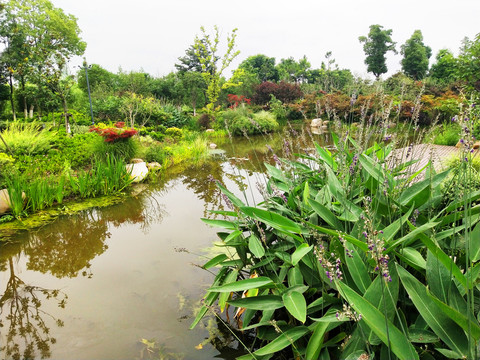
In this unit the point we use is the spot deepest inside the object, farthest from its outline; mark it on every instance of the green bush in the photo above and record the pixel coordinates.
(239, 122)
(447, 134)
(27, 138)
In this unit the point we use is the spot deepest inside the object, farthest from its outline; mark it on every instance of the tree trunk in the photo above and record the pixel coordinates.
(25, 106)
(67, 123)
(30, 115)
(12, 103)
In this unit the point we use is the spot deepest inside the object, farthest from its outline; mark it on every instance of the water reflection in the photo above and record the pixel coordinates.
(22, 317)
(129, 247)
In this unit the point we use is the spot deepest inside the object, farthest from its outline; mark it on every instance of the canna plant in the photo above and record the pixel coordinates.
(350, 256)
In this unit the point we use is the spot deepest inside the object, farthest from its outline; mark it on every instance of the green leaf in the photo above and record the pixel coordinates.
(422, 336)
(413, 257)
(296, 305)
(232, 236)
(306, 193)
(446, 329)
(283, 340)
(272, 219)
(399, 343)
(326, 215)
(215, 261)
(468, 325)
(243, 285)
(295, 277)
(235, 201)
(230, 278)
(416, 232)
(419, 192)
(221, 223)
(300, 252)
(263, 302)
(474, 243)
(316, 341)
(255, 246)
(357, 268)
(326, 156)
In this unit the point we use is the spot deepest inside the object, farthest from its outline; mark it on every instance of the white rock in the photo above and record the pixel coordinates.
(154, 166)
(138, 171)
(209, 130)
(316, 123)
(5, 201)
(213, 146)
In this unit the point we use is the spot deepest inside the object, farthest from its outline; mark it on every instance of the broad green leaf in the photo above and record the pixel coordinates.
(352, 211)
(468, 325)
(262, 302)
(296, 305)
(474, 243)
(326, 156)
(255, 246)
(326, 215)
(438, 277)
(306, 193)
(243, 285)
(391, 230)
(413, 257)
(375, 170)
(232, 236)
(315, 343)
(215, 261)
(285, 339)
(272, 219)
(361, 244)
(230, 278)
(399, 343)
(444, 259)
(221, 223)
(235, 201)
(445, 328)
(449, 354)
(357, 268)
(419, 192)
(422, 336)
(276, 174)
(300, 252)
(295, 277)
(416, 232)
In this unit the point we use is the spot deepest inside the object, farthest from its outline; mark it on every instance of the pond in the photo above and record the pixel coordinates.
(122, 282)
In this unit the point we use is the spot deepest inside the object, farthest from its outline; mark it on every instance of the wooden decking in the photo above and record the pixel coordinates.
(437, 154)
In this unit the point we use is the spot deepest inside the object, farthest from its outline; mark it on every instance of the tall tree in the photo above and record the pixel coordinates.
(444, 68)
(415, 56)
(262, 66)
(40, 39)
(469, 62)
(191, 60)
(376, 45)
(212, 66)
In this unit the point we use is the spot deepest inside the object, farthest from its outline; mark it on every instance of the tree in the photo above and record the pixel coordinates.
(293, 71)
(469, 62)
(444, 69)
(206, 50)
(39, 41)
(262, 66)
(191, 61)
(376, 45)
(415, 56)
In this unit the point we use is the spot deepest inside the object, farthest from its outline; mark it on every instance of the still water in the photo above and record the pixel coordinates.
(122, 282)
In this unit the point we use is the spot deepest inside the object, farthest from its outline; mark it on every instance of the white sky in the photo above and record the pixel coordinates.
(151, 35)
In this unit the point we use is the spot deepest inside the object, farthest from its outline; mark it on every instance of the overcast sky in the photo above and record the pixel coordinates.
(152, 34)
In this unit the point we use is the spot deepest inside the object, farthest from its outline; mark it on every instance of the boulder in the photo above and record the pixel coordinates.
(136, 161)
(5, 201)
(316, 123)
(476, 146)
(138, 171)
(209, 131)
(213, 146)
(154, 166)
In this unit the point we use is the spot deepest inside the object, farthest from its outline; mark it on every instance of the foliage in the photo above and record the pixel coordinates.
(240, 121)
(415, 56)
(351, 255)
(263, 67)
(290, 70)
(27, 138)
(114, 134)
(206, 50)
(282, 91)
(447, 134)
(376, 45)
(469, 62)
(444, 69)
(236, 100)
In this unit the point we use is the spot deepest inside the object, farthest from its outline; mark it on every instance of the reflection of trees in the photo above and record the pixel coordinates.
(67, 246)
(22, 317)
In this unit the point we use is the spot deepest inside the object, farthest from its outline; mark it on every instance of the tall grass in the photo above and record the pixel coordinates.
(27, 138)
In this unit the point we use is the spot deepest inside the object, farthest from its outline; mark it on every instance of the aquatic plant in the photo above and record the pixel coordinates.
(351, 255)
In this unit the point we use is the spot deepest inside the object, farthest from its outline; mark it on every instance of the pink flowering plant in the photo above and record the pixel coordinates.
(349, 256)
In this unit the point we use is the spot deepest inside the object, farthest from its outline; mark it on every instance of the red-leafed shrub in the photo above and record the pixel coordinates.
(236, 100)
(283, 91)
(114, 134)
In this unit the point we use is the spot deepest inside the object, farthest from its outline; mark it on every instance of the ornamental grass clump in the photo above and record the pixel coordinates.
(118, 142)
(350, 257)
(27, 138)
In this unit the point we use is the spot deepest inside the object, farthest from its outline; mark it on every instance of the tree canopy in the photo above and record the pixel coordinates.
(415, 56)
(376, 45)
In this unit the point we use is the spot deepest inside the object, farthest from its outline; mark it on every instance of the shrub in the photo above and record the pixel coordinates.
(27, 138)
(175, 133)
(447, 134)
(240, 122)
(283, 91)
